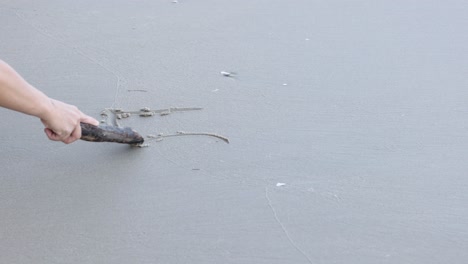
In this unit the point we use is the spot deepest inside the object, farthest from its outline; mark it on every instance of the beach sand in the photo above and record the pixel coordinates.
(347, 125)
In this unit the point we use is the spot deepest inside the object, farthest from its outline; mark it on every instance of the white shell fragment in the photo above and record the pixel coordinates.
(228, 74)
(279, 184)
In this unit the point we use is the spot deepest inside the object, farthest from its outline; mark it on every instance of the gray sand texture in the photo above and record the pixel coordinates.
(347, 123)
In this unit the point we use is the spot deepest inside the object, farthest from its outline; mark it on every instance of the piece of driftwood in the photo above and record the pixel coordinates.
(105, 133)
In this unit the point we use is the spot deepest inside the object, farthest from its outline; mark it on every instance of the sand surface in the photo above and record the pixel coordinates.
(347, 123)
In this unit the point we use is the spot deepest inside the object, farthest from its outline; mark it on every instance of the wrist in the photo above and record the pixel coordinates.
(44, 107)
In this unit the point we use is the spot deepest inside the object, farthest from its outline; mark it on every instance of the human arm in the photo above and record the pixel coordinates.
(61, 120)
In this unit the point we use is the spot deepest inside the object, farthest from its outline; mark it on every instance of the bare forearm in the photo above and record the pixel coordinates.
(17, 94)
(61, 120)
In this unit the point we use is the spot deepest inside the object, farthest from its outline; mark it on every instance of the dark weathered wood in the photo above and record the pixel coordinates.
(124, 135)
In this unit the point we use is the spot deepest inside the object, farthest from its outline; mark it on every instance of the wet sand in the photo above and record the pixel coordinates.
(347, 125)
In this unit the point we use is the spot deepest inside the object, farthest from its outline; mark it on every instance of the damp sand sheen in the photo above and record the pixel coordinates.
(111, 117)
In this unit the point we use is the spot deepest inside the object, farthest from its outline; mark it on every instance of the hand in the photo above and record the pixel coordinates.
(62, 122)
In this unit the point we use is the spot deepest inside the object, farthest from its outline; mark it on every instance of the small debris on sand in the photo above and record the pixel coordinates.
(146, 114)
(228, 74)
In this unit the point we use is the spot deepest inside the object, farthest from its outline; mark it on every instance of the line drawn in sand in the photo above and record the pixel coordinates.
(283, 228)
(137, 90)
(112, 115)
(160, 136)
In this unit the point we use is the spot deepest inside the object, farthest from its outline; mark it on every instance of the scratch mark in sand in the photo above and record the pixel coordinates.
(291, 241)
(76, 50)
(182, 133)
